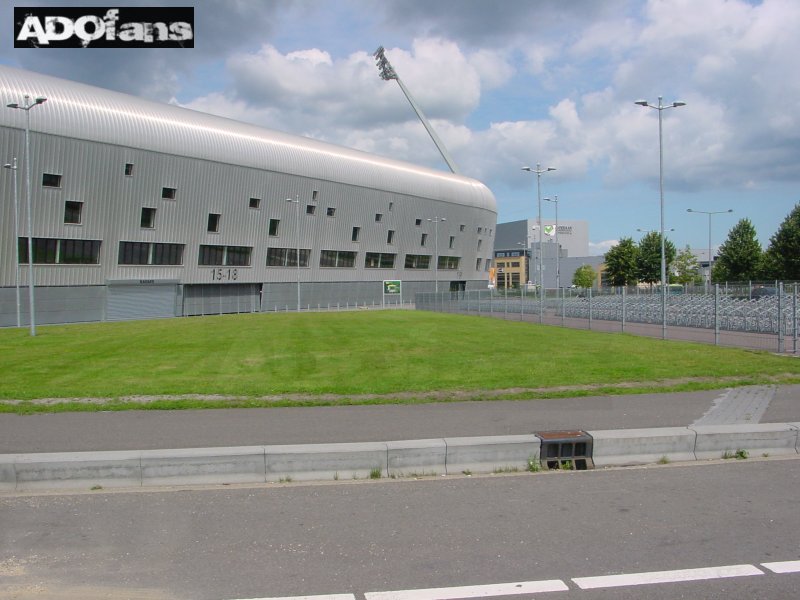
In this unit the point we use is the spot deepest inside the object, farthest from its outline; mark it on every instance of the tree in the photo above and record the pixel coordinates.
(649, 261)
(584, 276)
(621, 263)
(740, 256)
(783, 254)
(687, 269)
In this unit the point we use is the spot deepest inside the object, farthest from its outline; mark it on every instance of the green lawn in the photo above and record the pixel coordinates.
(354, 353)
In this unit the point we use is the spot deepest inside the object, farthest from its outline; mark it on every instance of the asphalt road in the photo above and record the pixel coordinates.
(360, 538)
(143, 430)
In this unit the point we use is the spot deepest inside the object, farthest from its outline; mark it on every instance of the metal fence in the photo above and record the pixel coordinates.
(745, 315)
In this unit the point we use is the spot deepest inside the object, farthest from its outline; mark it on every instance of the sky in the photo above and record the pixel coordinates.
(506, 84)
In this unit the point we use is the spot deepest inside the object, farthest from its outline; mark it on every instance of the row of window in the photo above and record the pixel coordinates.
(85, 252)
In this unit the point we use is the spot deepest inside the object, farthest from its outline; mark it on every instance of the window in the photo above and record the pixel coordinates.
(72, 212)
(378, 260)
(337, 258)
(273, 226)
(378, 217)
(134, 253)
(462, 227)
(287, 257)
(213, 222)
(480, 243)
(448, 263)
(238, 256)
(480, 229)
(478, 264)
(167, 254)
(417, 261)
(211, 255)
(168, 193)
(51, 180)
(128, 169)
(255, 203)
(417, 222)
(515, 264)
(356, 233)
(390, 236)
(148, 220)
(50, 251)
(452, 240)
(391, 206)
(331, 211)
(424, 239)
(310, 209)
(314, 194)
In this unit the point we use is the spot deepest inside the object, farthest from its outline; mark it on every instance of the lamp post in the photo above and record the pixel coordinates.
(554, 200)
(436, 221)
(661, 108)
(296, 202)
(27, 106)
(538, 170)
(13, 168)
(710, 257)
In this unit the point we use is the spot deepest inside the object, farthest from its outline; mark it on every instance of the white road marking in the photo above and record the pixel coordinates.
(607, 581)
(789, 566)
(323, 597)
(473, 591)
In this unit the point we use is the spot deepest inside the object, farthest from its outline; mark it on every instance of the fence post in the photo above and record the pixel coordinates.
(563, 305)
(781, 323)
(624, 305)
(716, 314)
(794, 319)
(590, 308)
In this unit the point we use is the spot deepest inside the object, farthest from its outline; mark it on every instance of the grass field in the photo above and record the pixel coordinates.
(305, 358)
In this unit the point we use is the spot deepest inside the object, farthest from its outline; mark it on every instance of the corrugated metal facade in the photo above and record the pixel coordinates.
(88, 135)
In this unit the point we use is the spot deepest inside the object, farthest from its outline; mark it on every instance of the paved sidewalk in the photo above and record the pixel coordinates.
(145, 430)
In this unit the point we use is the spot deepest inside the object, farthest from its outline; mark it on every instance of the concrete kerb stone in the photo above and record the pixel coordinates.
(317, 462)
(618, 447)
(723, 441)
(491, 453)
(243, 464)
(67, 470)
(797, 444)
(416, 457)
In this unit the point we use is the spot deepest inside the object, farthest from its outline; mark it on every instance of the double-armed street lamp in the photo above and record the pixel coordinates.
(27, 105)
(661, 108)
(538, 170)
(710, 257)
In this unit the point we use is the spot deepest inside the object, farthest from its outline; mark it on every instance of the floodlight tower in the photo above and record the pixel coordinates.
(387, 72)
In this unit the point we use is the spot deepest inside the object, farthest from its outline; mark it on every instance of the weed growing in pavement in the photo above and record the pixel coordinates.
(664, 460)
(738, 455)
(375, 473)
(534, 464)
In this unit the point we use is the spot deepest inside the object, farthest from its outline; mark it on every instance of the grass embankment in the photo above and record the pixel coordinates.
(328, 358)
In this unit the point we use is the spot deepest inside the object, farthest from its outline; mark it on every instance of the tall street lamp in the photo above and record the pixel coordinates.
(710, 257)
(13, 168)
(27, 106)
(296, 202)
(554, 200)
(538, 170)
(436, 221)
(661, 108)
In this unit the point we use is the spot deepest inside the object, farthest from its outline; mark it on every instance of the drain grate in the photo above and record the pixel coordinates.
(566, 450)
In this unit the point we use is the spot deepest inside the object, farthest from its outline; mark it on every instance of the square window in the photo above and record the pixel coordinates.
(213, 222)
(255, 202)
(418, 222)
(310, 209)
(72, 212)
(168, 193)
(148, 220)
(378, 217)
(356, 233)
(331, 211)
(51, 180)
(273, 226)
(129, 169)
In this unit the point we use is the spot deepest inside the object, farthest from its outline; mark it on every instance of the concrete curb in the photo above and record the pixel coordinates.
(319, 462)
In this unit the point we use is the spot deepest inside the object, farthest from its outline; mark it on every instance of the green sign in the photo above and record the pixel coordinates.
(391, 287)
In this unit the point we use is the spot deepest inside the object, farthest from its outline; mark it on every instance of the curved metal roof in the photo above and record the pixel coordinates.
(85, 112)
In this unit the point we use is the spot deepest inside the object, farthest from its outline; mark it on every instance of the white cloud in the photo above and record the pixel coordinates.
(600, 248)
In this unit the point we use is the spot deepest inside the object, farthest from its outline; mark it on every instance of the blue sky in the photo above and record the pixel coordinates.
(507, 84)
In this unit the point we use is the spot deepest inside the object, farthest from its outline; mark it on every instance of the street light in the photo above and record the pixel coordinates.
(436, 221)
(710, 257)
(27, 106)
(661, 108)
(554, 200)
(296, 201)
(13, 168)
(538, 170)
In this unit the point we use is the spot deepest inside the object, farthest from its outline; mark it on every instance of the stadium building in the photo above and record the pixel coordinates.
(144, 210)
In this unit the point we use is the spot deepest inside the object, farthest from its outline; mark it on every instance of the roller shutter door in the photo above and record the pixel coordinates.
(151, 301)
